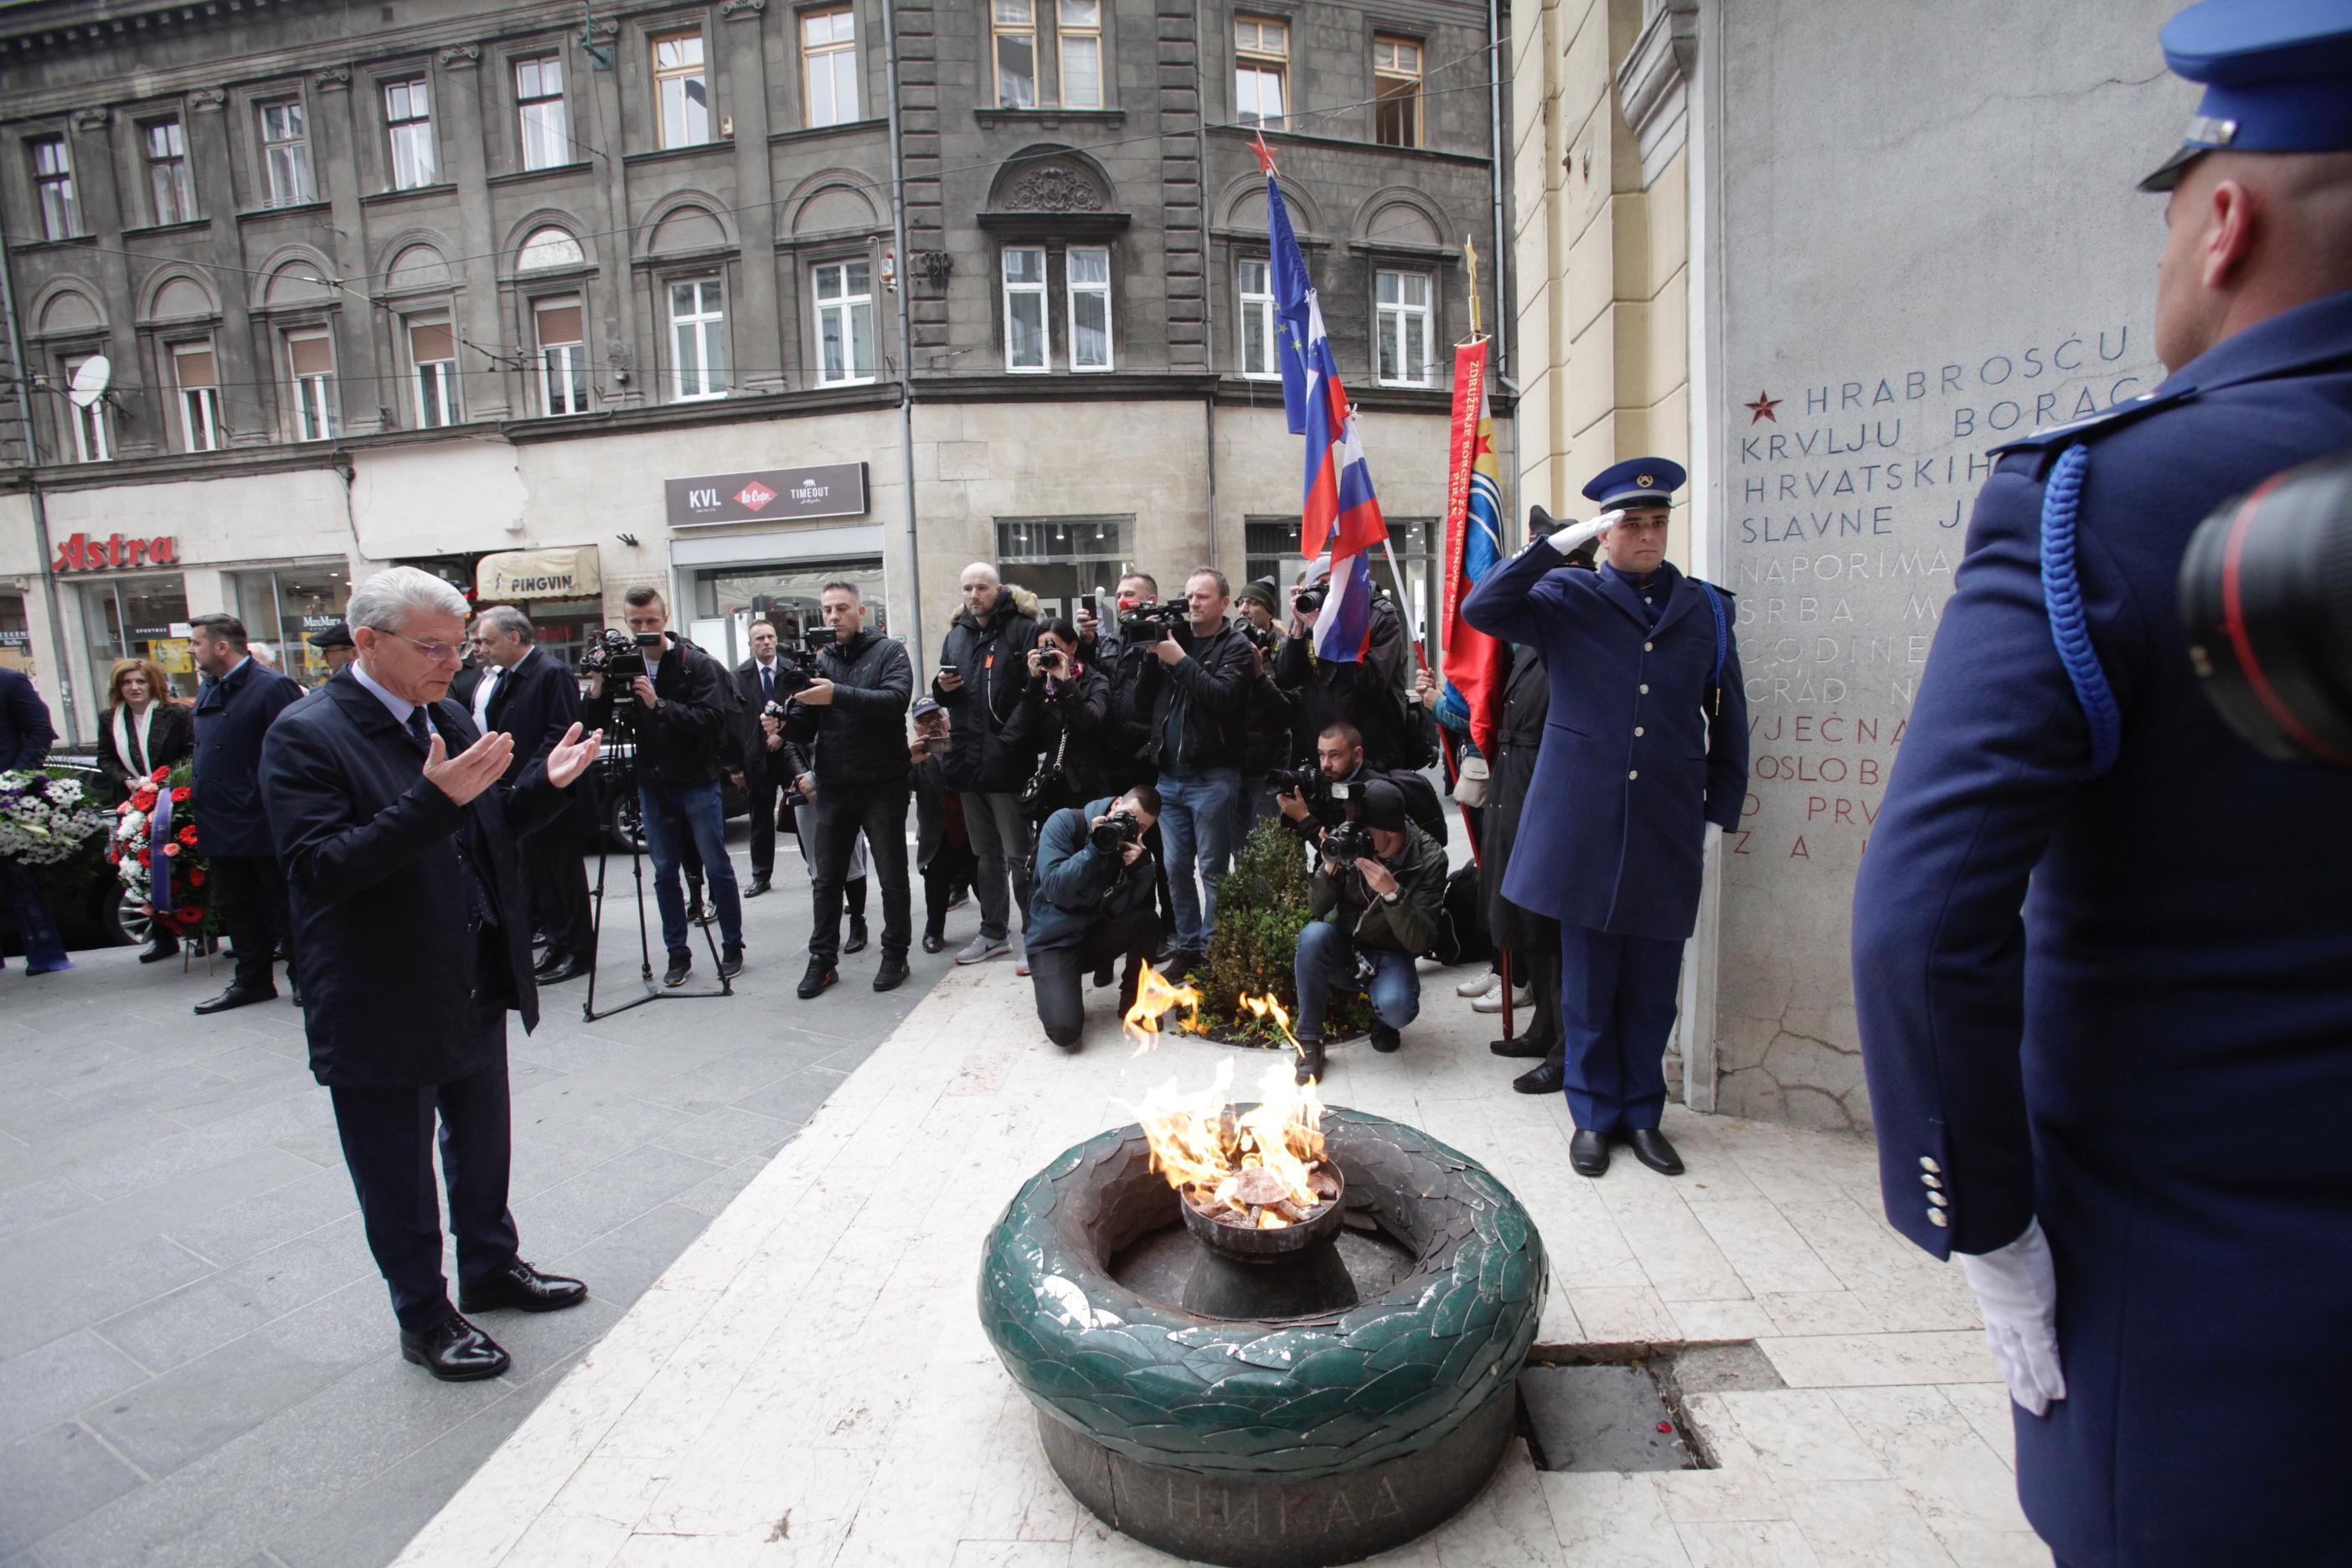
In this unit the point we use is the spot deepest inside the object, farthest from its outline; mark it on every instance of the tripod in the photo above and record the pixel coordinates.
(620, 779)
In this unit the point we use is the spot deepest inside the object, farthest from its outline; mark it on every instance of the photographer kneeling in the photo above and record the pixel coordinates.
(1376, 901)
(1093, 905)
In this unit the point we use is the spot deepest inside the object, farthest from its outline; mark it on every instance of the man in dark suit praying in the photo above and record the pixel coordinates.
(532, 696)
(399, 839)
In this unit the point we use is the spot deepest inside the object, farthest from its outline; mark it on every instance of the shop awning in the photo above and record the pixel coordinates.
(570, 574)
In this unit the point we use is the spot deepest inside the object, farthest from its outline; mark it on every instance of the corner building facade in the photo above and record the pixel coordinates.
(731, 298)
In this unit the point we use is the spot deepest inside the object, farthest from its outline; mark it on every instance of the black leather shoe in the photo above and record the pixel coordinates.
(1650, 1147)
(820, 976)
(1527, 1046)
(856, 943)
(681, 964)
(1310, 1062)
(1385, 1038)
(453, 1350)
(933, 941)
(893, 972)
(1104, 976)
(524, 1288)
(237, 997)
(1589, 1152)
(730, 960)
(1544, 1077)
(758, 885)
(570, 969)
(163, 947)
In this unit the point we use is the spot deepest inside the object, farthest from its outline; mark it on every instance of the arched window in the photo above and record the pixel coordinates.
(549, 247)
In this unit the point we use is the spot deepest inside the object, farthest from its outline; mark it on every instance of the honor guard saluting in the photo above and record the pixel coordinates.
(2126, 1106)
(1644, 759)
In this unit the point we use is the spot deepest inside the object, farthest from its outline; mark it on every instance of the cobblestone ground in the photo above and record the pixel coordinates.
(197, 1357)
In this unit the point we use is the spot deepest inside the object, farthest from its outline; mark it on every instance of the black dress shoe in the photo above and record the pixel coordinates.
(549, 964)
(933, 941)
(856, 943)
(1544, 1077)
(1310, 1062)
(1589, 1152)
(1385, 1039)
(681, 964)
(453, 1350)
(1527, 1046)
(238, 996)
(893, 972)
(820, 976)
(570, 969)
(524, 1288)
(758, 885)
(730, 960)
(165, 945)
(1650, 1147)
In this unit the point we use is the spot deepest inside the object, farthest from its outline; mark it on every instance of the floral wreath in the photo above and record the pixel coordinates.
(45, 818)
(157, 823)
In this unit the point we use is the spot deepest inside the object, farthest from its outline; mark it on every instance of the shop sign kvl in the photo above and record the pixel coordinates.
(826, 490)
(83, 553)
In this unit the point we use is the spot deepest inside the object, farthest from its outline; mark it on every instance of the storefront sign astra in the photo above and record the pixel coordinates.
(538, 574)
(83, 553)
(827, 490)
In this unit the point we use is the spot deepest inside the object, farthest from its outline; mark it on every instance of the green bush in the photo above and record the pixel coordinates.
(1260, 909)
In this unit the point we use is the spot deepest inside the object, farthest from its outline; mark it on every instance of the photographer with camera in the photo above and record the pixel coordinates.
(1314, 800)
(847, 735)
(1064, 720)
(1268, 718)
(1093, 907)
(1121, 659)
(1197, 686)
(984, 670)
(671, 703)
(1377, 901)
(1368, 694)
(943, 846)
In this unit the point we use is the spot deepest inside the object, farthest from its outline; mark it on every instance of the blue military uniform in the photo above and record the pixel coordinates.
(2155, 1058)
(1646, 742)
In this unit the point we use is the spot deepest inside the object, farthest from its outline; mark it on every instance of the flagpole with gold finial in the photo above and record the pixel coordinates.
(1470, 254)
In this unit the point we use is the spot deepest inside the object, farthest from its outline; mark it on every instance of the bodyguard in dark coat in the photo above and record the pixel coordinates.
(2126, 1106)
(1533, 939)
(764, 769)
(1645, 746)
(234, 709)
(399, 840)
(535, 697)
(25, 735)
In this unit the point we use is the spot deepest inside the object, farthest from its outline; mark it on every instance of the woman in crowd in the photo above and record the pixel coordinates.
(145, 728)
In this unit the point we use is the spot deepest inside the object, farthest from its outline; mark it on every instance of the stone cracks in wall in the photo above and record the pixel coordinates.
(1798, 1079)
(1942, 122)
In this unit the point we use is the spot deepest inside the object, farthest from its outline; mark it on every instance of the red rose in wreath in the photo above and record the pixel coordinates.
(187, 836)
(179, 795)
(187, 914)
(144, 801)
(147, 857)
(171, 849)
(196, 878)
(159, 775)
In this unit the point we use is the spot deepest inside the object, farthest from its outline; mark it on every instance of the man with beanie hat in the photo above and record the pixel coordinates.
(1374, 915)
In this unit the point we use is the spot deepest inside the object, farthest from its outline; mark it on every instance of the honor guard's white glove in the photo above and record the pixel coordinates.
(2017, 1290)
(1568, 536)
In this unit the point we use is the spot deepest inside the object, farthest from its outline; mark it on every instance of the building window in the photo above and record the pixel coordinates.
(171, 192)
(1080, 37)
(547, 247)
(829, 66)
(1016, 53)
(1396, 92)
(845, 322)
(539, 109)
(92, 441)
(285, 155)
(1258, 320)
(408, 123)
(53, 178)
(310, 361)
(197, 374)
(698, 332)
(1404, 355)
(1261, 70)
(1064, 559)
(682, 89)
(560, 327)
(1089, 272)
(432, 367)
(1026, 343)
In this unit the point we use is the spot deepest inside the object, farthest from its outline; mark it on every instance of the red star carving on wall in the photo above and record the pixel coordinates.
(1763, 408)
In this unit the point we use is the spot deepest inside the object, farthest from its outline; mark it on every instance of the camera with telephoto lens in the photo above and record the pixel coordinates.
(1115, 832)
(617, 655)
(1347, 844)
(1306, 779)
(1309, 601)
(1263, 638)
(2266, 602)
(1151, 623)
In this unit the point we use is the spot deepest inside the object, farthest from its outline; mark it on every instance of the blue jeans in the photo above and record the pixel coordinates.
(671, 813)
(1196, 827)
(1252, 801)
(1327, 957)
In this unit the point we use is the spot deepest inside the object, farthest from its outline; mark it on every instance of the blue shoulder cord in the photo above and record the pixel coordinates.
(2062, 595)
(1722, 642)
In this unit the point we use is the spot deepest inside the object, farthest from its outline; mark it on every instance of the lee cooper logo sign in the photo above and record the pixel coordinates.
(825, 489)
(83, 553)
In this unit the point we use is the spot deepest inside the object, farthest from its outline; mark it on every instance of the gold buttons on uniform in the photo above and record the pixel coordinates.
(1930, 1183)
(1637, 730)
(1939, 1200)
(1645, 647)
(1634, 775)
(1930, 1166)
(1645, 691)
(1936, 1217)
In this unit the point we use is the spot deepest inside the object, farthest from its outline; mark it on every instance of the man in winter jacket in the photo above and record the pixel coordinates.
(1198, 683)
(1373, 916)
(1093, 907)
(984, 671)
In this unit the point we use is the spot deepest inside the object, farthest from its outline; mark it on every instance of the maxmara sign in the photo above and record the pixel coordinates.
(769, 495)
(83, 553)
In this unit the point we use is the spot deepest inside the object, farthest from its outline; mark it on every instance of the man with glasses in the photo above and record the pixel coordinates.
(235, 710)
(398, 828)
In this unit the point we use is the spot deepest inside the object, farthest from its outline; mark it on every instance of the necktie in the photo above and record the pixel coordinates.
(419, 733)
(768, 680)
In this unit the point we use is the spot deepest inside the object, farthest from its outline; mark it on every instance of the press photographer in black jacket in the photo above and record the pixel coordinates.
(983, 672)
(1369, 693)
(849, 733)
(1197, 685)
(679, 724)
(1064, 720)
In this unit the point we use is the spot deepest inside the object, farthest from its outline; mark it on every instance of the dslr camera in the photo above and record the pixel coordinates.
(617, 655)
(1152, 623)
(1263, 638)
(796, 669)
(1309, 601)
(1347, 844)
(1115, 832)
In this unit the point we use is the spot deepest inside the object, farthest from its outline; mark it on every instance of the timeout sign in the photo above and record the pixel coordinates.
(768, 495)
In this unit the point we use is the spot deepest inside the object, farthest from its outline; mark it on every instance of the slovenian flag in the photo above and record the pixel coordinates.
(1340, 516)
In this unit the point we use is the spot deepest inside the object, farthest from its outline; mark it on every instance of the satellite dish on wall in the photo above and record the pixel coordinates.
(89, 381)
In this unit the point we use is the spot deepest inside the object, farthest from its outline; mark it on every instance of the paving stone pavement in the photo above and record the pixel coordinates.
(197, 1357)
(808, 1382)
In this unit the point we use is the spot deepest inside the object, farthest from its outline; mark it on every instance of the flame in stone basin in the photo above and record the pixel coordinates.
(1229, 1163)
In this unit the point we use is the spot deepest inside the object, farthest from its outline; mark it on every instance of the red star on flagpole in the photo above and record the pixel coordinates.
(1763, 408)
(1265, 156)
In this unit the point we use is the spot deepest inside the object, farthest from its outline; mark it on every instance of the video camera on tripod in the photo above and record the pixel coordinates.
(616, 654)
